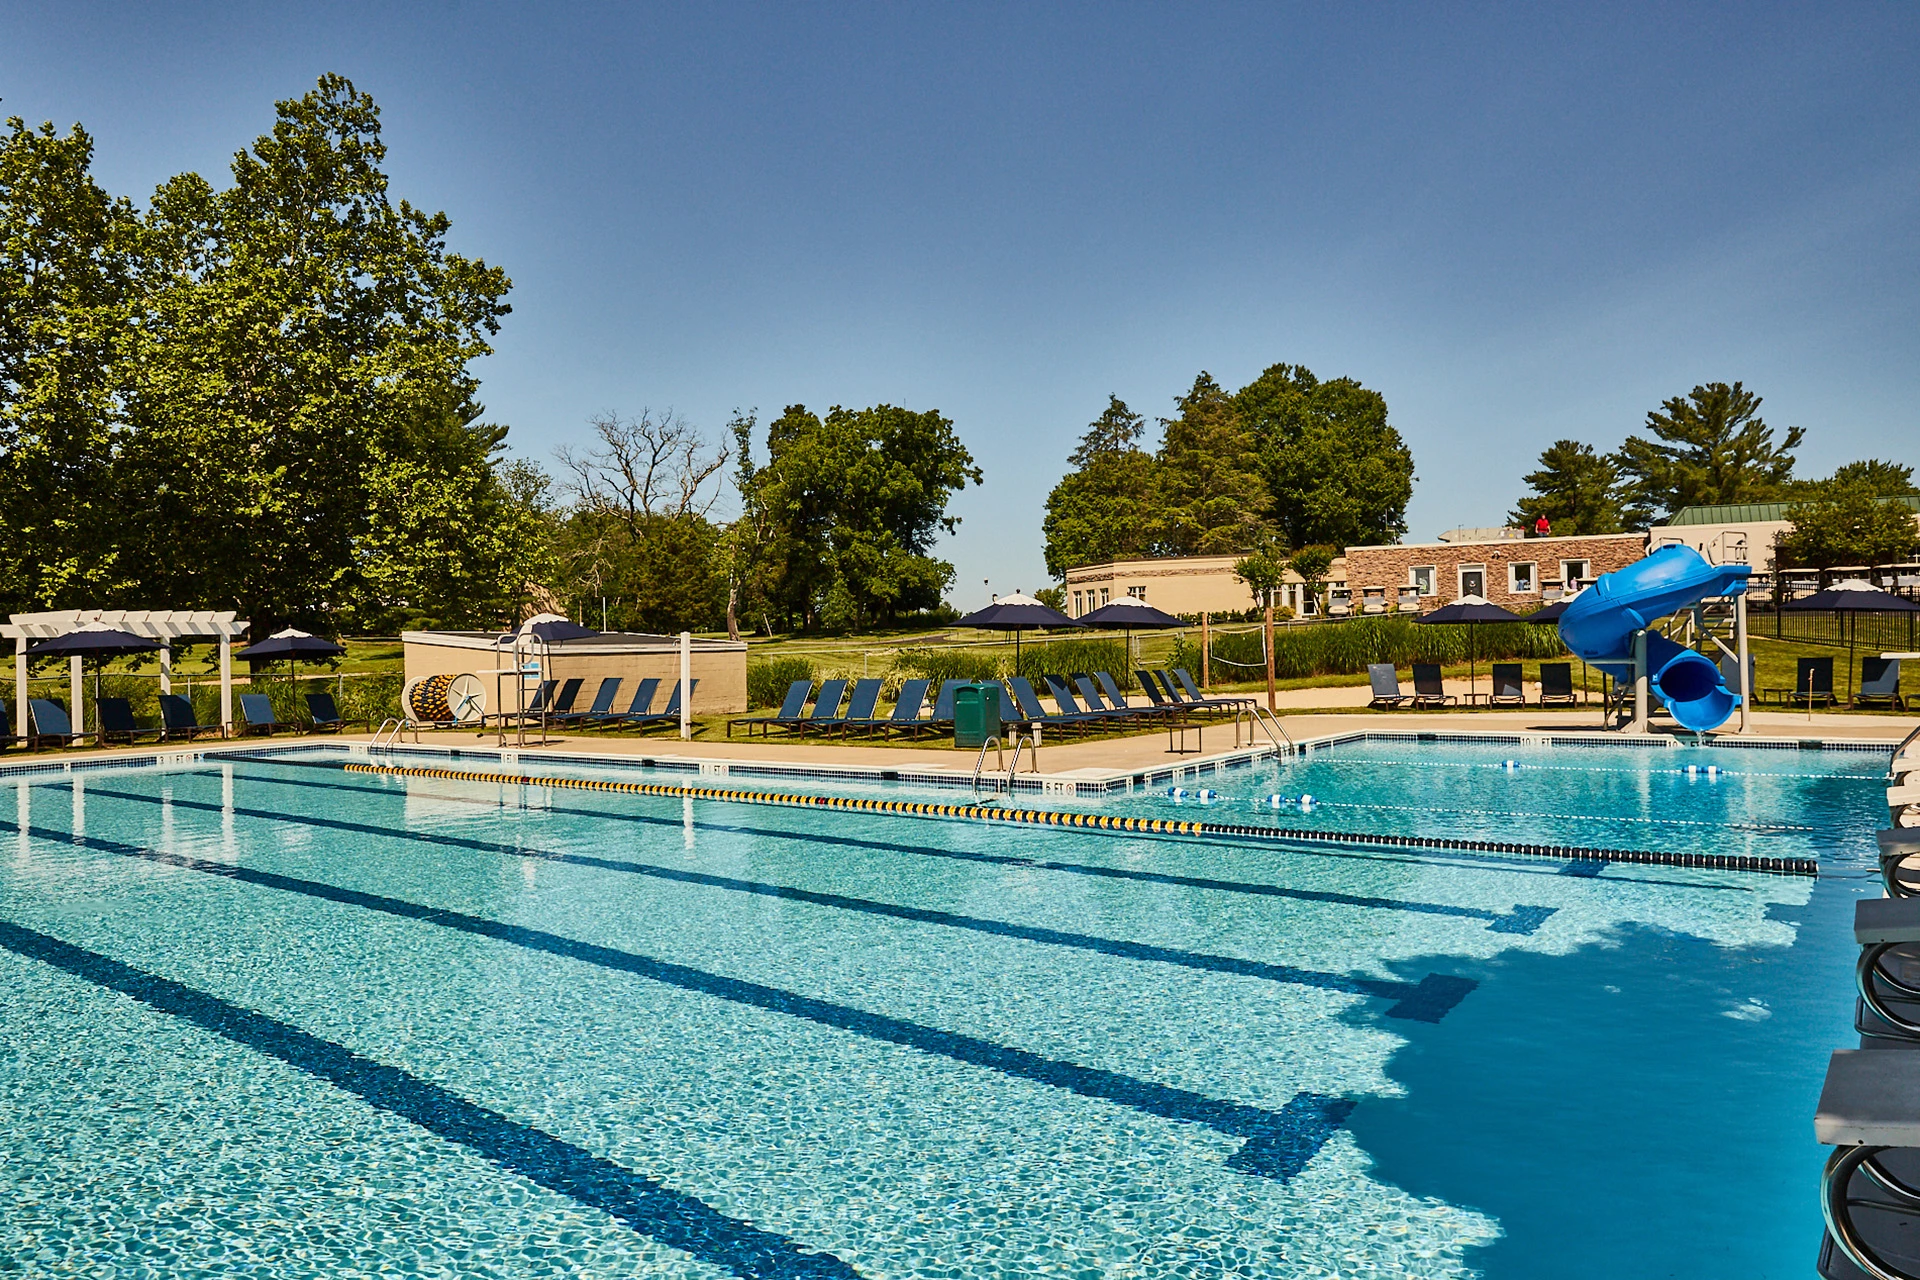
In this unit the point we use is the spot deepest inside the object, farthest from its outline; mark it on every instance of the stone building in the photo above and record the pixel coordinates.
(1181, 585)
(1520, 574)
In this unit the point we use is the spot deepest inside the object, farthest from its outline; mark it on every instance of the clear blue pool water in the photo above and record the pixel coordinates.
(273, 1017)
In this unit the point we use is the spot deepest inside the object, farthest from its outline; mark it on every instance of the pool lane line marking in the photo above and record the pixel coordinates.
(643, 1204)
(1755, 827)
(1106, 822)
(1521, 920)
(1428, 1000)
(1278, 1143)
(1574, 768)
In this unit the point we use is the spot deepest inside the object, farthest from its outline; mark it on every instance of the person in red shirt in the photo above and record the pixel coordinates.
(1542, 527)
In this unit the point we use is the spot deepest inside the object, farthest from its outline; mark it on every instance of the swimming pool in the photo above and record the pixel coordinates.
(266, 1013)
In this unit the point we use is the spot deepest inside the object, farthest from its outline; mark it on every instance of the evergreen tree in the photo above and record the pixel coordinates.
(1578, 490)
(1709, 447)
(1104, 509)
(1215, 501)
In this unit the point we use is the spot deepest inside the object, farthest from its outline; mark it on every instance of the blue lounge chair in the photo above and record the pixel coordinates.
(941, 719)
(1812, 684)
(560, 708)
(257, 709)
(792, 708)
(600, 709)
(325, 715)
(177, 719)
(1385, 682)
(906, 711)
(50, 724)
(1508, 686)
(655, 719)
(1429, 690)
(1070, 706)
(866, 696)
(1031, 712)
(1118, 708)
(1195, 698)
(116, 721)
(826, 704)
(1556, 684)
(1880, 684)
(638, 708)
(1155, 694)
(535, 708)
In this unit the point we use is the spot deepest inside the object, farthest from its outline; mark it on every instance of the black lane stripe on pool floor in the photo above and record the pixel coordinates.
(1427, 1000)
(643, 1204)
(1109, 823)
(1522, 920)
(1278, 1144)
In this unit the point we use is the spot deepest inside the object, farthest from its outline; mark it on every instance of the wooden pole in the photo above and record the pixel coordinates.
(1206, 652)
(1270, 651)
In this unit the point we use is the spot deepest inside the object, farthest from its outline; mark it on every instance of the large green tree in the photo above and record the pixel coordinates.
(1213, 500)
(292, 327)
(1888, 479)
(66, 274)
(1578, 490)
(1337, 470)
(854, 502)
(1706, 448)
(1847, 523)
(1105, 508)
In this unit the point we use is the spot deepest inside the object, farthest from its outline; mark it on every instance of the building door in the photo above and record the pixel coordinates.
(1473, 580)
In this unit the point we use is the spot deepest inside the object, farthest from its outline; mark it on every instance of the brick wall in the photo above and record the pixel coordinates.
(1388, 568)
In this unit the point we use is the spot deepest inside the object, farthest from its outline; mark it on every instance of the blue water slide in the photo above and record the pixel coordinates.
(1599, 627)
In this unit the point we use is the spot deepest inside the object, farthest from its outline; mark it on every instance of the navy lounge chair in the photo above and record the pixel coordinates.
(653, 720)
(1508, 686)
(942, 718)
(1429, 690)
(1556, 684)
(600, 709)
(826, 704)
(177, 719)
(1880, 684)
(50, 724)
(560, 708)
(860, 706)
(1031, 712)
(638, 707)
(792, 707)
(1195, 698)
(1385, 682)
(326, 715)
(906, 711)
(1155, 694)
(116, 721)
(257, 709)
(1812, 684)
(535, 708)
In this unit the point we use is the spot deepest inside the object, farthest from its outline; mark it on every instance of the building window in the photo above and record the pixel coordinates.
(1076, 604)
(1473, 580)
(1138, 593)
(1103, 597)
(1420, 577)
(1574, 573)
(1520, 579)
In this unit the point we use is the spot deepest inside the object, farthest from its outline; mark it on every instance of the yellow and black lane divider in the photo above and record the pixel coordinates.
(1581, 860)
(788, 799)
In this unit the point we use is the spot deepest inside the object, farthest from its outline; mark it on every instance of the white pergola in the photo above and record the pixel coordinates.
(164, 626)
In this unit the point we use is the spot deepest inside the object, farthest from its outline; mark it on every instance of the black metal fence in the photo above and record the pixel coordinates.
(1870, 631)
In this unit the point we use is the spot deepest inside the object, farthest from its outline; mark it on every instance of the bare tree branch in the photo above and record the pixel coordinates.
(643, 467)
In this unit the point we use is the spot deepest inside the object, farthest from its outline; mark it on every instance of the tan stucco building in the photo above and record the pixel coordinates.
(720, 666)
(1181, 585)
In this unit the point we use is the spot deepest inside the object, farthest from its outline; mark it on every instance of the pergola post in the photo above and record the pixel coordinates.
(76, 680)
(166, 668)
(20, 684)
(226, 684)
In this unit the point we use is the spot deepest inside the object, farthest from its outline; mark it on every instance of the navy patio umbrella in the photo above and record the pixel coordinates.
(293, 645)
(1470, 612)
(93, 640)
(1127, 614)
(1850, 598)
(1016, 613)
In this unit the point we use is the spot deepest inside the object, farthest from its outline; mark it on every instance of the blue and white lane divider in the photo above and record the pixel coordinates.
(1008, 815)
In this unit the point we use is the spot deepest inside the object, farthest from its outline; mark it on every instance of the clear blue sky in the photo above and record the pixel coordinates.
(1517, 223)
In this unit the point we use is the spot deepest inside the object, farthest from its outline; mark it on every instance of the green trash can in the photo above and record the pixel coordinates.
(976, 714)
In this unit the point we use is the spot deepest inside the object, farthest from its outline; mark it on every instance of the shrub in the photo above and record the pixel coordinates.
(948, 664)
(1345, 648)
(767, 681)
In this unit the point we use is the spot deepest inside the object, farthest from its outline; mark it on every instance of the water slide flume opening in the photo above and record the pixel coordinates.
(1599, 625)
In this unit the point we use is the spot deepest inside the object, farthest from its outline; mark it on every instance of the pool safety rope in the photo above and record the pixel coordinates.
(1108, 822)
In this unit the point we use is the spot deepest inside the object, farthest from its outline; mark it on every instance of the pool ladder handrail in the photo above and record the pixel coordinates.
(398, 725)
(1020, 741)
(1270, 722)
